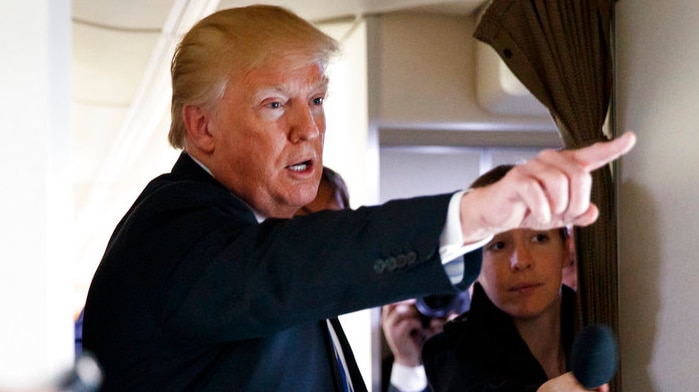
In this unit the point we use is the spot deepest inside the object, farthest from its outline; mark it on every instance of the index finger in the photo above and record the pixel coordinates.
(599, 154)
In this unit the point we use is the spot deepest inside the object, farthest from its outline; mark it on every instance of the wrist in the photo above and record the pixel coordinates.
(473, 228)
(408, 378)
(407, 361)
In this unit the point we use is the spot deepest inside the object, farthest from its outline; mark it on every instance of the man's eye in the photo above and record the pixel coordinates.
(275, 105)
(318, 101)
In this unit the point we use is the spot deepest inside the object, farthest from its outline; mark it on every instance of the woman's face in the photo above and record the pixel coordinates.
(522, 271)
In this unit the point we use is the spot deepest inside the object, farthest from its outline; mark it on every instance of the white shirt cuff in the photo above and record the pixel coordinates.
(408, 379)
(451, 242)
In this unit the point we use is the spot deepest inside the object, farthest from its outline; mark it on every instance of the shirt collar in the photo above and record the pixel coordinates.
(260, 218)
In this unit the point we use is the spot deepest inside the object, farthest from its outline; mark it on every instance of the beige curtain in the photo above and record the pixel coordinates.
(560, 50)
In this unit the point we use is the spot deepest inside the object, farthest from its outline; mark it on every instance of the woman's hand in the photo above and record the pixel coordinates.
(567, 383)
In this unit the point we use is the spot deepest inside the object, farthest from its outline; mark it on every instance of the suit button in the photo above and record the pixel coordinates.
(390, 264)
(401, 261)
(379, 266)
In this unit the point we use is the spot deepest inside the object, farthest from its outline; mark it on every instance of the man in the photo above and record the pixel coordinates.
(406, 325)
(206, 284)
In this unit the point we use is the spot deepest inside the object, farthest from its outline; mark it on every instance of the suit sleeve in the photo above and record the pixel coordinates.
(211, 268)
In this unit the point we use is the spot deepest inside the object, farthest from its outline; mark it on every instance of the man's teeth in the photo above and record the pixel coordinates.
(299, 167)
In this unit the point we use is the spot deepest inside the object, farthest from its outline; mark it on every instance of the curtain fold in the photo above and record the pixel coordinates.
(561, 51)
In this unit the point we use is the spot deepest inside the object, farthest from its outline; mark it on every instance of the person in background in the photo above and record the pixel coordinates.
(78, 333)
(519, 330)
(332, 194)
(405, 328)
(570, 272)
(209, 282)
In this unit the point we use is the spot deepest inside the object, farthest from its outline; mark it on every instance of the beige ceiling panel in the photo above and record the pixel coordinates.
(123, 14)
(108, 64)
(329, 9)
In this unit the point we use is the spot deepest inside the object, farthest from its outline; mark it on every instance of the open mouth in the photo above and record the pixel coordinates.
(300, 167)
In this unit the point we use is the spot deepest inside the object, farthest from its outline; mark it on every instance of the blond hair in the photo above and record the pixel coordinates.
(237, 40)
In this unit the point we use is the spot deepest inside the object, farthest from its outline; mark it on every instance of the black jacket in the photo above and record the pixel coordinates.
(481, 350)
(194, 294)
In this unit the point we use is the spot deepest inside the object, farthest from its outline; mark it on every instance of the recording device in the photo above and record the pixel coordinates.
(441, 305)
(594, 356)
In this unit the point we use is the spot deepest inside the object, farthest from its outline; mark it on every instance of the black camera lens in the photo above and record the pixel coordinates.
(441, 305)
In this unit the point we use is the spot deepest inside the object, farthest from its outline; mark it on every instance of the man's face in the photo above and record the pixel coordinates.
(268, 135)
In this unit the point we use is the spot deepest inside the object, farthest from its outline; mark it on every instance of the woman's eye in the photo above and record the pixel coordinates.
(496, 245)
(540, 238)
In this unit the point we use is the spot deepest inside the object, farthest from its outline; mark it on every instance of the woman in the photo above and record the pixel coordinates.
(518, 332)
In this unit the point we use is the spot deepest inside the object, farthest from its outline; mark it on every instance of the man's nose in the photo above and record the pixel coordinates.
(305, 124)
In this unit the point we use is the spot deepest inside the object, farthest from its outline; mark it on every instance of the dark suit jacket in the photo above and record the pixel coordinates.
(481, 350)
(194, 294)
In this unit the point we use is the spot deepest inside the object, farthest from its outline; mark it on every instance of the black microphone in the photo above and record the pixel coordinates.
(594, 356)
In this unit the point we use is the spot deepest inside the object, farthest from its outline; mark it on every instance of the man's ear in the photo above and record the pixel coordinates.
(196, 122)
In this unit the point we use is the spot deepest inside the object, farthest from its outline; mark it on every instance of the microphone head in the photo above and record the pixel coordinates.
(594, 356)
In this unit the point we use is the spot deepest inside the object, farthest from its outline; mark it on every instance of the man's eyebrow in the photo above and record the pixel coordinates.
(269, 90)
(284, 89)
